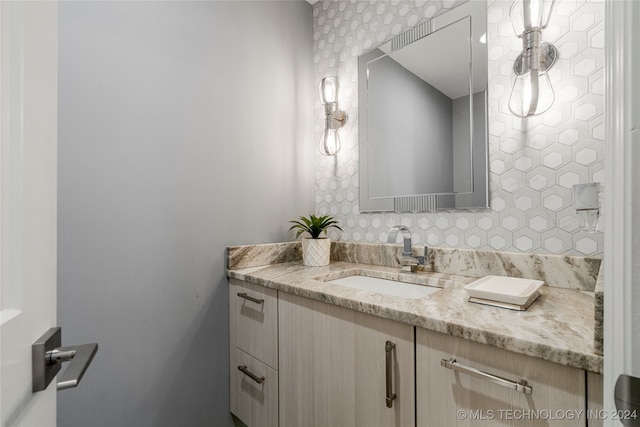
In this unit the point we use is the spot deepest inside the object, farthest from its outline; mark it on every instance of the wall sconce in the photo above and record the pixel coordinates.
(334, 118)
(532, 93)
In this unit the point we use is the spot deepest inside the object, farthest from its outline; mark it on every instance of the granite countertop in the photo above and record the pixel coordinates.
(558, 327)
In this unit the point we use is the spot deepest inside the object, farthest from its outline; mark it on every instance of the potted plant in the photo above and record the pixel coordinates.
(316, 250)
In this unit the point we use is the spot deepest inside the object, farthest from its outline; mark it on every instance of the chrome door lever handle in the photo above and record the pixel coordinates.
(83, 355)
(56, 356)
(47, 357)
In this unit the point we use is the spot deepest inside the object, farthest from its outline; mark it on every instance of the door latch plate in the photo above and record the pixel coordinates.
(43, 373)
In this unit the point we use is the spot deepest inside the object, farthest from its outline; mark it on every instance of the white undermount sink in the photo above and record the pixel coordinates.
(385, 286)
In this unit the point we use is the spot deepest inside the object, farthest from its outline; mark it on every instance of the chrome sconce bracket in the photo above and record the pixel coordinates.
(548, 58)
(338, 118)
(334, 118)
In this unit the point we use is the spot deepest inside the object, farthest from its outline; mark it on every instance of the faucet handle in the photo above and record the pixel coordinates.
(423, 259)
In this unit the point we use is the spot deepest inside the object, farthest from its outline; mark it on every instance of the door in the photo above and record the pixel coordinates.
(28, 140)
(621, 210)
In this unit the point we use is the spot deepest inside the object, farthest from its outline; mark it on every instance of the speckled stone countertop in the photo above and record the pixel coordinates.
(598, 333)
(558, 327)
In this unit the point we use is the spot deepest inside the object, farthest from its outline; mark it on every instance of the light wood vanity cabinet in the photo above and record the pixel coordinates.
(301, 362)
(334, 363)
(253, 318)
(453, 397)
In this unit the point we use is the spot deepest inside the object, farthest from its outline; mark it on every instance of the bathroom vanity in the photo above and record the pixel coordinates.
(306, 350)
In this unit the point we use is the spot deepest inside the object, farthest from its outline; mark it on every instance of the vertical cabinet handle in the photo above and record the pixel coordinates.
(244, 370)
(250, 298)
(391, 396)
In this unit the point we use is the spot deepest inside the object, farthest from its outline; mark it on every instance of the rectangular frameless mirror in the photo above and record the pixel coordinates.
(423, 115)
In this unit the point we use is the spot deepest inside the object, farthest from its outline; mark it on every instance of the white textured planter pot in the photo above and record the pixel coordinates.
(316, 252)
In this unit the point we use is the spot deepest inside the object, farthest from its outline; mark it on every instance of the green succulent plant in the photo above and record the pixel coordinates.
(314, 225)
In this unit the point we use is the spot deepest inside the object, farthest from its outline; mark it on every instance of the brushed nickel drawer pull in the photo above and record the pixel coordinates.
(391, 396)
(244, 370)
(520, 386)
(250, 298)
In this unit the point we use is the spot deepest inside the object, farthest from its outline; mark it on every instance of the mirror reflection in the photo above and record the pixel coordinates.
(421, 94)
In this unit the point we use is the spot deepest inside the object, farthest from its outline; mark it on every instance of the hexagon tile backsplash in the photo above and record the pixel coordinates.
(533, 162)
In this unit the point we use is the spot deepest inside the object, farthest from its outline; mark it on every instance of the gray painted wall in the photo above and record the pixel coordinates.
(184, 127)
(408, 119)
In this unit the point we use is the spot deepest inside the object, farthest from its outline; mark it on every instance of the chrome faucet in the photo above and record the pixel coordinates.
(409, 262)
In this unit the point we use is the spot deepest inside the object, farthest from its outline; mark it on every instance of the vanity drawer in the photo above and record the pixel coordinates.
(254, 390)
(465, 383)
(254, 320)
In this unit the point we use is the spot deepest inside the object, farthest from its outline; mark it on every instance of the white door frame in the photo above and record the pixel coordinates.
(622, 194)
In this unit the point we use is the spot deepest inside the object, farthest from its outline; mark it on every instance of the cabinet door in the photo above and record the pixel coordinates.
(445, 397)
(595, 397)
(333, 364)
(253, 317)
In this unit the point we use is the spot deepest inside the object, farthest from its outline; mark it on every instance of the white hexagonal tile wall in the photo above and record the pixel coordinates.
(510, 145)
(568, 93)
(424, 223)
(485, 223)
(523, 163)
(523, 203)
(538, 223)
(584, 67)
(552, 160)
(553, 202)
(443, 223)
(434, 237)
(510, 184)
(538, 140)
(452, 240)
(582, 21)
(474, 241)
(524, 243)
(510, 223)
(568, 136)
(498, 166)
(587, 245)
(585, 111)
(497, 242)
(568, 179)
(586, 156)
(462, 223)
(533, 163)
(541, 177)
(554, 244)
(498, 204)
